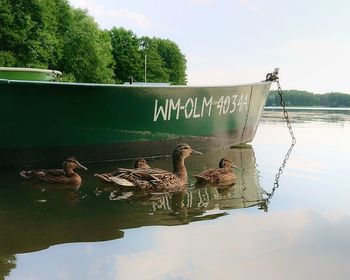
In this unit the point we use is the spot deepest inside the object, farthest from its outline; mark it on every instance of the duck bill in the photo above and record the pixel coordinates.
(234, 166)
(196, 153)
(81, 166)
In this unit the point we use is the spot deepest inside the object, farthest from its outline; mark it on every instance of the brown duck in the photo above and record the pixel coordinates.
(222, 176)
(60, 176)
(154, 179)
(108, 177)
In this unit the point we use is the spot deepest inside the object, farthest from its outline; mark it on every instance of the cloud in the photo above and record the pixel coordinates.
(248, 4)
(112, 17)
(320, 64)
(248, 245)
(218, 70)
(309, 166)
(325, 49)
(156, 264)
(203, 2)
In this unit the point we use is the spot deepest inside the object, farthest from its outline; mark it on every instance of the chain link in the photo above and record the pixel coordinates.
(286, 157)
(285, 113)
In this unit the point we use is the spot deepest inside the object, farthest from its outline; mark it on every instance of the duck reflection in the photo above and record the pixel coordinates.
(235, 190)
(103, 211)
(65, 176)
(222, 176)
(215, 188)
(156, 179)
(108, 177)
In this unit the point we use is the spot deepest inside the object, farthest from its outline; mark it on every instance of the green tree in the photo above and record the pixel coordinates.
(29, 32)
(7, 58)
(52, 34)
(87, 51)
(156, 70)
(305, 98)
(20, 30)
(57, 16)
(165, 62)
(174, 61)
(334, 99)
(126, 54)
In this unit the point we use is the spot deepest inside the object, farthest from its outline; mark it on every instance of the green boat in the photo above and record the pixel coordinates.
(31, 74)
(43, 121)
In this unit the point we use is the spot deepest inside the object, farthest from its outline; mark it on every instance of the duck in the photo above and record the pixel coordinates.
(141, 163)
(108, 177)
(159, 180)
(222, 176)
(65, 176)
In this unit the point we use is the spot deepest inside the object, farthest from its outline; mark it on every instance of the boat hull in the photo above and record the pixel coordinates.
(45, 122)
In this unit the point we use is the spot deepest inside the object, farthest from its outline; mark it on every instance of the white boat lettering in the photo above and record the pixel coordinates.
(243, 102)
(207, 104)
(233, 103)
(161, 109)
(188, 114)
(198, 107)
(174, 106)
(195, 114)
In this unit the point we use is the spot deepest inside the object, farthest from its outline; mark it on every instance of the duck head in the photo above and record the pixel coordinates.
(141, 163)
(72, 163)
(183, 151)
(226, 163)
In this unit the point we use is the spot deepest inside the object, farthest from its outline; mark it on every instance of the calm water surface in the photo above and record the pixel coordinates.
(101, 232)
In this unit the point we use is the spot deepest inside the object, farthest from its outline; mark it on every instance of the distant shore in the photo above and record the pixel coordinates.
(299, 98)
(314, 108)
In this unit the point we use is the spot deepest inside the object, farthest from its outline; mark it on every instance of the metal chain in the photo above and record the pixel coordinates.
(285, 113)
(280, 171)
(286, 157)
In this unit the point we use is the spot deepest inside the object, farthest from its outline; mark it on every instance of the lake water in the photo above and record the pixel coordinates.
(101, 232)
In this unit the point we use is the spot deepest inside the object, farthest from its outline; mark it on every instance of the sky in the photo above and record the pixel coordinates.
(238, 41)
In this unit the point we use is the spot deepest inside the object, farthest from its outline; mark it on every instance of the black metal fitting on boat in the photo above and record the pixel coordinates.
(271, 77)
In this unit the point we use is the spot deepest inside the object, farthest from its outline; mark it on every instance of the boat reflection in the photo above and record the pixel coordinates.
(35, 217)
(246, 192)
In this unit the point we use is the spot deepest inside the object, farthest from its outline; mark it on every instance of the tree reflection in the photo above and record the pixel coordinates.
(7, 263)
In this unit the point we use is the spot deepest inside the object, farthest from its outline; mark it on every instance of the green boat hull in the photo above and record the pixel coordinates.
(45, 122)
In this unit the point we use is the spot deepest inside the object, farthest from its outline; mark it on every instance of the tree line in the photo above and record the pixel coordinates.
(51, 34)
(305, 98)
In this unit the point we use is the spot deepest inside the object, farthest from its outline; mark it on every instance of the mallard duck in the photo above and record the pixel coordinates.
(154, 179)
(108, 177)
(60, 176)
(141, 163)
(222, 176)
